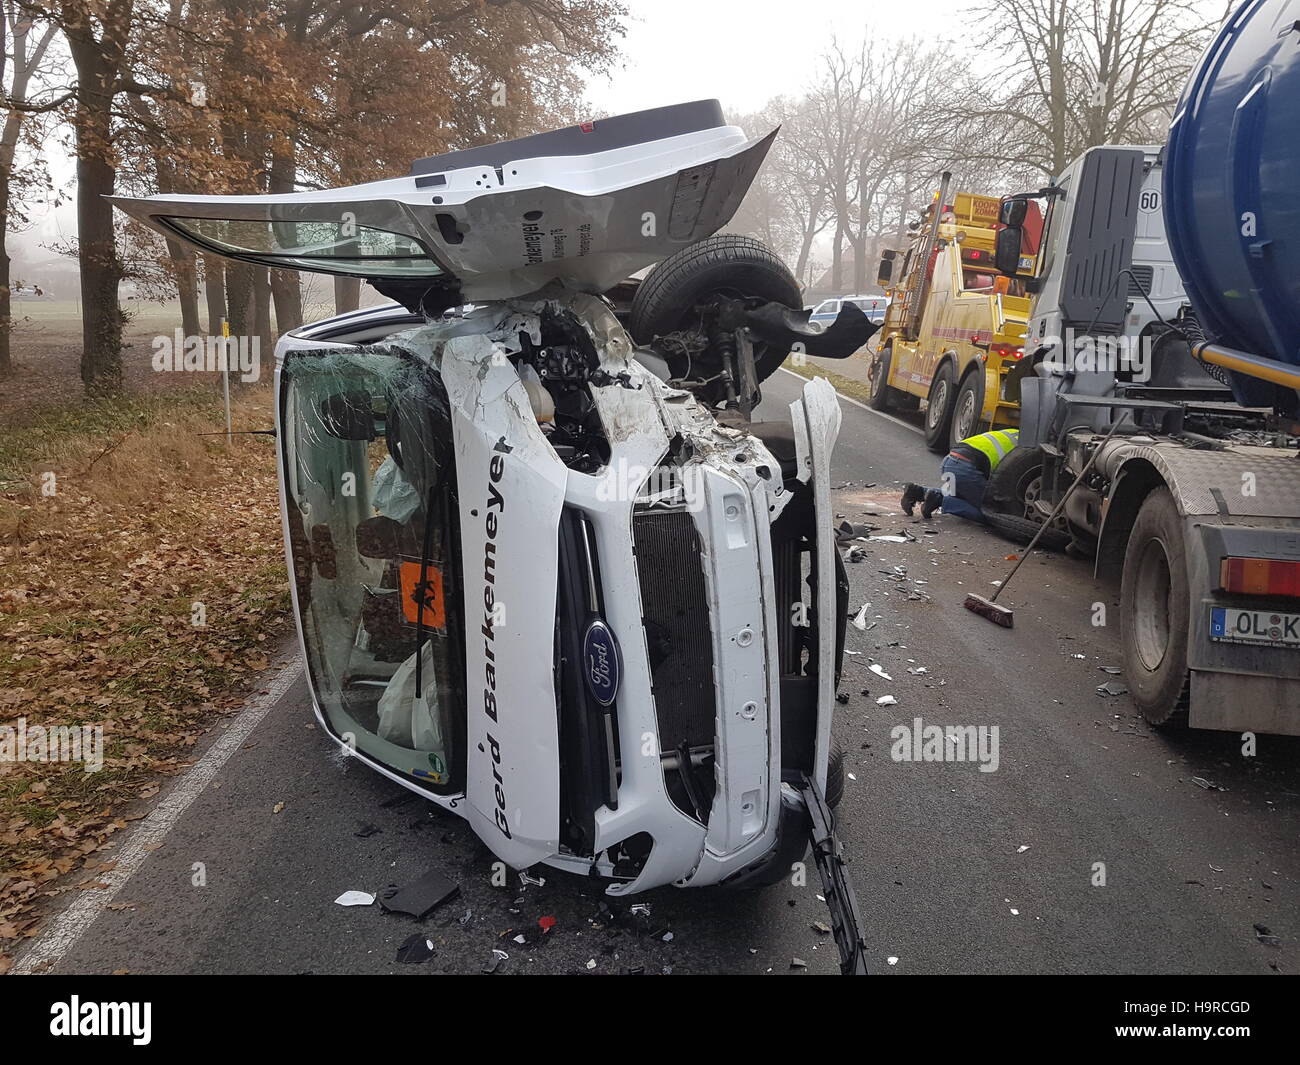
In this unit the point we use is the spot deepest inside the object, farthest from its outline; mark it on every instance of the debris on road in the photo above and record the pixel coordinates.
(419, 897)
(498, 956)
(415, 949)
(886, 700)
(879, 672)
(355, 898)
(1112, 687)
(860, 619)
(1208, 785)
(1265, 935)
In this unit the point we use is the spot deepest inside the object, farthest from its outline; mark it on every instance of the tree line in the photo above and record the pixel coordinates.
(1033, 84)
(216, 96)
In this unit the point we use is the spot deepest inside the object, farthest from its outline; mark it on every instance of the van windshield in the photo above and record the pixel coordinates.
(369, 483)
(331, 246)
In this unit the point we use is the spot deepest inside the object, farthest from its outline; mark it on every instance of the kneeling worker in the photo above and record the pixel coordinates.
(965, 472)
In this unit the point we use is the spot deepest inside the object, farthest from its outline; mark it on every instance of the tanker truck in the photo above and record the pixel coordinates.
(1192, 498)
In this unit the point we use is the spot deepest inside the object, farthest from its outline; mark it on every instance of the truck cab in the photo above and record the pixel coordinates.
(954, 327)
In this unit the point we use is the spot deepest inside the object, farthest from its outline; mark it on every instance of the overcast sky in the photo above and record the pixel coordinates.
(744, 53)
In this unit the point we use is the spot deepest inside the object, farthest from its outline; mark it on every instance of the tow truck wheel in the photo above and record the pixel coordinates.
(1154, 611)
(938, 416)
(882, 396)
(967, 409)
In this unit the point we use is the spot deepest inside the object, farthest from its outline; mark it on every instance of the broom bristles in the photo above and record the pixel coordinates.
(986, 608)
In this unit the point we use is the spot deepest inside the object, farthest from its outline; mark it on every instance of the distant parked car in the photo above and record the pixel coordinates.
(873, 307)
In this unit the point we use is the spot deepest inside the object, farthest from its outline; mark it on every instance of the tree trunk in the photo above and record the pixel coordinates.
(214, 288)
(101, 270)
(837, 256)
(262, 310)
(6, 305)
(286, 290)
(239, 298)
(286, 287)
(187, 288)
(347, 294)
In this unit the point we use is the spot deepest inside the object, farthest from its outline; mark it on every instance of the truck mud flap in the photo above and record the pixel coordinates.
(846, 921)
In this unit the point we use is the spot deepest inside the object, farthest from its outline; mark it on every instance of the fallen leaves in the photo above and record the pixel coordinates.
(101, 582)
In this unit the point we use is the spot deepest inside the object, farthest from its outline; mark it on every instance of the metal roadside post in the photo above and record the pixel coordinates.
(225, 374)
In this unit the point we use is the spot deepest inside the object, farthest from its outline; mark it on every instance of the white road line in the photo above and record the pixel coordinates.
(64, 931)
(857, 403)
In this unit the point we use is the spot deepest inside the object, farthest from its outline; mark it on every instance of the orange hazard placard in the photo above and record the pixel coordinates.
(430, 596)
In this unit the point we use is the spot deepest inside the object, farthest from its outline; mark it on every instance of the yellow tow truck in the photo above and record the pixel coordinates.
(953, 331)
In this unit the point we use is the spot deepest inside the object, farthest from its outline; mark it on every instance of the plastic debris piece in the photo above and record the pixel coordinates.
(355, 898)
(420, 896)
(798, 963)
(860, 620)
(876, 669)
(1114, 671)
(892, 961)
(521, 939)
(545, 924)
(498, 956)
(591, 964)
(536, 881)
(822, 927)
(1208, 785)
(886, 700)
(889, 539)
(1022, 848)
(1112, 687)
(415, 949)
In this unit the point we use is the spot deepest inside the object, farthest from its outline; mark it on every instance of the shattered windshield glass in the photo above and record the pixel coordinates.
(340, 247)
(370, 498)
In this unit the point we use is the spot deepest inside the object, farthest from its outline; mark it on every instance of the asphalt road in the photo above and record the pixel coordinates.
(1089, 849)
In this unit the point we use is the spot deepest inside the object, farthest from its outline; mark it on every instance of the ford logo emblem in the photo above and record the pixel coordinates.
(601, 663)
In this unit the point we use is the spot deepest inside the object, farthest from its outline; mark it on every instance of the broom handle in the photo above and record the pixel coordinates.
(1057, 509)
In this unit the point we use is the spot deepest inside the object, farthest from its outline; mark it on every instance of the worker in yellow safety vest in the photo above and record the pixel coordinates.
(965, 474)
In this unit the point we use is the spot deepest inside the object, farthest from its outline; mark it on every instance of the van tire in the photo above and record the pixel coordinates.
(1155, 611)
(835, 776)
(938, 415)
(727, 264)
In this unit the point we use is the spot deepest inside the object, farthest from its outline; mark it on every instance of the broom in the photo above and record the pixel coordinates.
(990, 608)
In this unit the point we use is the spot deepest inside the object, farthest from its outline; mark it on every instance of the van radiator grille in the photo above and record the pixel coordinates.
(675, 613)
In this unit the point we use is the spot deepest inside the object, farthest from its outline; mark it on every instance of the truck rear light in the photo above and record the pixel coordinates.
(1259, 576)
(1009, 353)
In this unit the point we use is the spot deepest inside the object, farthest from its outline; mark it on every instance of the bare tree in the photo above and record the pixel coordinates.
(24, 51)
(1075, 74)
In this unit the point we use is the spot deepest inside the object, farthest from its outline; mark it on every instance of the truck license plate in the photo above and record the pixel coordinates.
(1228, 624)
